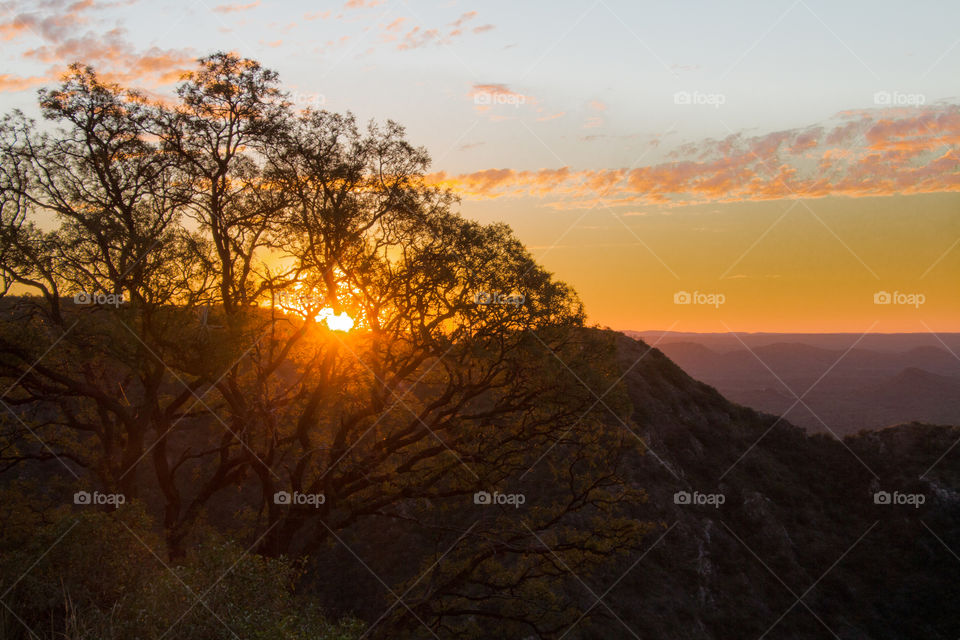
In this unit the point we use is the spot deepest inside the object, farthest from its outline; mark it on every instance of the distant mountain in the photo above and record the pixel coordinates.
(847, 382)
(898, 342)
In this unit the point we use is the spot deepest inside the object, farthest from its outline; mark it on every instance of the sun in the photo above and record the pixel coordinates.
(302, 301)
(342, 322)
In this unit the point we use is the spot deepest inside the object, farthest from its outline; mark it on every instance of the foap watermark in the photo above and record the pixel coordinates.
(899, 297)
(96, 498)
(699, 297)
(298, 300)
(492, 98)
(714, 100)
(898, 99)
(305, 100)
(700, 499)
(297, 499)
(488, 298)
(487, 498)
(99, 298)
(896, 498)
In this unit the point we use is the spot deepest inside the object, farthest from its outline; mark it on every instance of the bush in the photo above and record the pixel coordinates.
(97, 575)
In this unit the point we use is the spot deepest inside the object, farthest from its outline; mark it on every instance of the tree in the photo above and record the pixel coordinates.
(233, 226)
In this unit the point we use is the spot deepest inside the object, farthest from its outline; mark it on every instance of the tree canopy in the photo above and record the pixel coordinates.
(173, 275)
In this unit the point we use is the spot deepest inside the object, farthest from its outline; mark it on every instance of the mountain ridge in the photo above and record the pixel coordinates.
(845, 388)
(799, 513)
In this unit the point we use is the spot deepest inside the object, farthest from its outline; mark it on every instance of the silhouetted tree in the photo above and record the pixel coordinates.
(230, 223)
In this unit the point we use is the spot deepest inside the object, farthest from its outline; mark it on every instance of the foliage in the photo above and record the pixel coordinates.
(97, 575)
(166, 270)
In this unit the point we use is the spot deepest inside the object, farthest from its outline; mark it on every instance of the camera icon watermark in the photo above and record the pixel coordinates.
(698, 297)
(899, 298)
(896, 498)
(715, 100)
(699, 499)
(285, 498)
(487, 498)
(86, 498)
(898, 99)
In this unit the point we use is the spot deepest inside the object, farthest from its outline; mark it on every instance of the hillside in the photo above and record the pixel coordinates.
(799, 520)
(753, 529)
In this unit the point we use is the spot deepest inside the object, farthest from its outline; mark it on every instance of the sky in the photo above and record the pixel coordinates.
(694, 166)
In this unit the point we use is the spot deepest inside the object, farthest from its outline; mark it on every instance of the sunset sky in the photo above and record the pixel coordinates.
(790, 159)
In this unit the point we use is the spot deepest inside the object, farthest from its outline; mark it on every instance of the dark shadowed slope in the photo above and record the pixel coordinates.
(799, 548)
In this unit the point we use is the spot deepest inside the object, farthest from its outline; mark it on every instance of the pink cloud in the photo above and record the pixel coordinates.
(466, 17)
(876, 153)
(395, 25)
(419, 36)
(551, 116)
(13, 83)
(235, 8)
(67, 34)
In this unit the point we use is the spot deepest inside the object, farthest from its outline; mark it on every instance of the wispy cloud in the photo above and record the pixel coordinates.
(417, 36)
(235, 8)
(863, 153)
(59, 32)
(10, 82)
(550, 116)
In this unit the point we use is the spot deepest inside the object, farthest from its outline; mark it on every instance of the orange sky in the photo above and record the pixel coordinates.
(809, 265)
(793, 158)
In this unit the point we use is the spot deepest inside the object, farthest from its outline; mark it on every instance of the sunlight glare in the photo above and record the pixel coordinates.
(341, 322)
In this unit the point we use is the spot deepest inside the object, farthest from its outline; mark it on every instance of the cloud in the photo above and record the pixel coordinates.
(401, 33)
(24, 19)
(466, 17)
(66, 31)
(418, 36)
(551, 116)
(13, 83)
(869, 153)
(492, 181)
(116, 58)
(235, 8)
(395, 25)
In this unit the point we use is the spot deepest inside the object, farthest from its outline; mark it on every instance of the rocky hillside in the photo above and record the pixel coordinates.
(765, 531)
